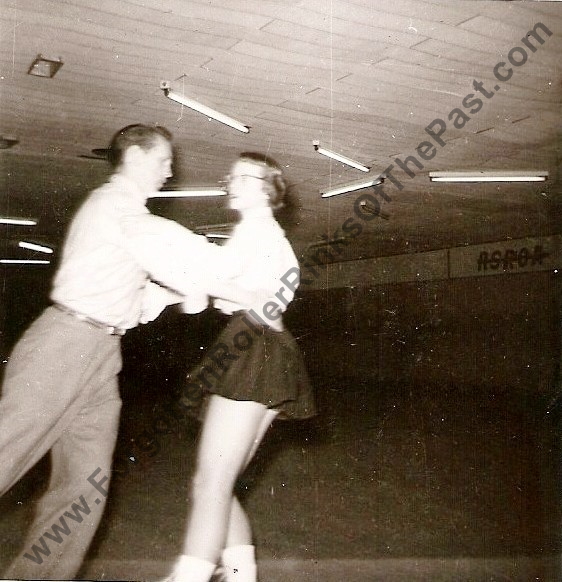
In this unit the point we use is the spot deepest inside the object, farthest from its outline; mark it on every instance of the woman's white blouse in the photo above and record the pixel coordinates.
(259, 257)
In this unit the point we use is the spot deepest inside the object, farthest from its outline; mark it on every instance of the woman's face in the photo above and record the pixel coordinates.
(246, 186)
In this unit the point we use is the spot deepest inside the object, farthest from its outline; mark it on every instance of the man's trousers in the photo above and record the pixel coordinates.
(60, 394)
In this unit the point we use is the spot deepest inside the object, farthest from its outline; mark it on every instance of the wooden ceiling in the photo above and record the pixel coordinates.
(365, 77)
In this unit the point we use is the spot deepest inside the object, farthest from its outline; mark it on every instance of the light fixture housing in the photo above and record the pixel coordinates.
(189, 193)
(7, 142)
(18, 221)
(215, 231)
(101, 154)
(216, 235)
(352, 187)
(45, 66)
(24, 262)
(208, 111)
(339, 157)
(488, 176)
(369, 208)
(23, 244)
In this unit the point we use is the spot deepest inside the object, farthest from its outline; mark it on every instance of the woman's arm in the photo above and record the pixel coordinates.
(253, 301)
(230, 291)
(189, 264)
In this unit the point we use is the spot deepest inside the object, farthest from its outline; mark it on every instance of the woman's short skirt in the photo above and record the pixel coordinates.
(253, 362)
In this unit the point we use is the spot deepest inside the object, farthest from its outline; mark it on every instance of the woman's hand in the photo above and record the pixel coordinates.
(233, 297)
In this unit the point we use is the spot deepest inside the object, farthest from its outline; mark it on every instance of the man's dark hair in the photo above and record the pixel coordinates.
(144, 136)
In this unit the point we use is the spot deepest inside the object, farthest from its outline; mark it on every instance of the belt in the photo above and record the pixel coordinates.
(108, 329)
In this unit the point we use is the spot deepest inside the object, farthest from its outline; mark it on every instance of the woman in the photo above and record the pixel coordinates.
(264, 378)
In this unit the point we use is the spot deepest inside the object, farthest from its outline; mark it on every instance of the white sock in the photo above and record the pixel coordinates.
(192, 569)
(240, 563)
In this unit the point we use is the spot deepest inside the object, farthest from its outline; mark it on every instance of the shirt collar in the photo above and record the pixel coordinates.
(257, 214)
(130, 188)
(257, 219)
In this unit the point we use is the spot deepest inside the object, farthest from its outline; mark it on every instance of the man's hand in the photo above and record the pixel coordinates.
(155, 299)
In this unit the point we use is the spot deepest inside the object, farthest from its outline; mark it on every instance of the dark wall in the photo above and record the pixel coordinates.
(490, 332)
(24, 293)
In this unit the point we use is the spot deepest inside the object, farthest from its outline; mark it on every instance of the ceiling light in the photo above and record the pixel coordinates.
(488, 176)
(7, 142)
(97, 154)
(101, 152)
(372, 210)
(352, 187)
(195, 105)
(339, 157)
(222, 230)
(188, 193)
(44, 66)
(35, 247)
(20, 221)
(216, 235)
(24, 262)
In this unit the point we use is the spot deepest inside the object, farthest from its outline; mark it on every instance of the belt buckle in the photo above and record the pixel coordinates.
(108, 329)
(112, 330)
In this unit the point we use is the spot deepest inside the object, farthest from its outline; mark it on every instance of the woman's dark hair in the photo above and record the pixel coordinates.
(144, 136)
(277, 186)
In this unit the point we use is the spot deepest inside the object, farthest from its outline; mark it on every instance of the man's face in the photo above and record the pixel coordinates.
(153, 167)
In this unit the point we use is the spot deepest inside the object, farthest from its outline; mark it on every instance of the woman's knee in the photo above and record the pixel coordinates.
(213, 480)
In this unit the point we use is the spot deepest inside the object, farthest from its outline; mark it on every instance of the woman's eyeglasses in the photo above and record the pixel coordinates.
(228, 178)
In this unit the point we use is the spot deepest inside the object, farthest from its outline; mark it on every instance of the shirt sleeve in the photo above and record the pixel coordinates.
(171, 254)
(155, 299)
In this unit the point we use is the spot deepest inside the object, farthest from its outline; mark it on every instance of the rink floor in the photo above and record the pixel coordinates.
(387, 483)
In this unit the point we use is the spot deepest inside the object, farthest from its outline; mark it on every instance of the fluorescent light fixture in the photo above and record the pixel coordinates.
(188, 193)
(339, 157)
(7, 142)
(372, 210)
(196, 106)
(215, 231)
(24, 262)
(488, 176)
(352, 187)
(216, 235)
(97, 154)
(35, 247)
(20, 221)
(45, 66)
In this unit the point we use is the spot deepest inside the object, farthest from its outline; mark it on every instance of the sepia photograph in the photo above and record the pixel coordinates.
(280, 290)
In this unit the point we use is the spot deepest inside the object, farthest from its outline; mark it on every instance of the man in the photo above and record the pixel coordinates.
(60, 391)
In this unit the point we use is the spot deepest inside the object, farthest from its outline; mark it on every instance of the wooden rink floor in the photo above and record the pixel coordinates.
(387, 483)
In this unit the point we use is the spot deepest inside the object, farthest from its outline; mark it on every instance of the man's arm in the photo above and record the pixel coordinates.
(155, 299)
(183, 261)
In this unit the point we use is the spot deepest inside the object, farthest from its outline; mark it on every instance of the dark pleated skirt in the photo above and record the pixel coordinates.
(254, 362)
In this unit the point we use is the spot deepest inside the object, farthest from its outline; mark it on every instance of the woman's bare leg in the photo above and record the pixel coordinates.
(239, 556)
(239, 529)
(231, 433)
